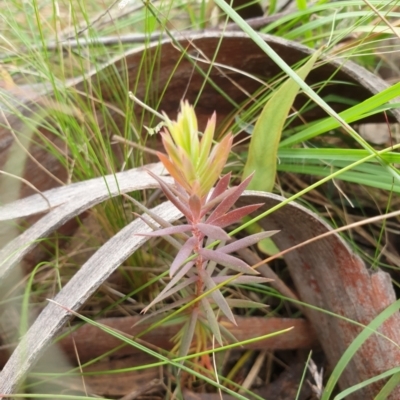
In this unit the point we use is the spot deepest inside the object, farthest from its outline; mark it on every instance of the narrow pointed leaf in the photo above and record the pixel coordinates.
(241, 279)
(195, 206)
(212, 231)
(228, 334)
(170, 196)
(227, 261)
(219, 154)
(180, 193)
(221, 186)
(161, 221)
(176, 288)
(210, 268)
(177, 191)
(169, 239)
(173, 170)
(219, 189)
(246, 242)
(161, 310)
(239, 303)
(229, 201)
(235, 215)
(212, 320)
(188, 120)
(188, 333)
(189, 171)
(265, 246)
(194, 135)
(218, 297)
(168, 231)
(263, 149)
(164, 294)
(171, 149)
(179, 275)
(206, 140)
(215, 164)
(182, 255)
(217, 200)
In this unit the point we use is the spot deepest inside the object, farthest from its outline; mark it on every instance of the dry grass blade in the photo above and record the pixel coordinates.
(90, 276)
(134, 179)
(71, 202)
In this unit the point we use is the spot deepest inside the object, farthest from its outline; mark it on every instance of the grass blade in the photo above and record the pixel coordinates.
(259, 41)
(350, 390)
(357, 343)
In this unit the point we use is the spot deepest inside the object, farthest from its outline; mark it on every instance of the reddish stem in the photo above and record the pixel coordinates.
(199, 260)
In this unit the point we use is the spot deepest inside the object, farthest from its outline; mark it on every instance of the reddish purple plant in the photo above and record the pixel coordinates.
(196, 167)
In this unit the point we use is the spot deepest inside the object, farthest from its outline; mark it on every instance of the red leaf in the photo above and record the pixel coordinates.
(228, 261)
(166, 293)
(212, 320)
(221, 186)
(218, 297)
(185, 251)
(235, 215)
(171, 197)
(229, 201)
(169, 239)
(246, 241)
(163, 294)
(195, 206)
(212, 231)
(211, 204)
(178, 276)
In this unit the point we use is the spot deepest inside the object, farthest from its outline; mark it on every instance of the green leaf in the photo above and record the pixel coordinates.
(390, 385)
(347, 392)
(263, 148)
(374, 180)
(322, 162)
(330, 155)
(371, 106)
(369, 330)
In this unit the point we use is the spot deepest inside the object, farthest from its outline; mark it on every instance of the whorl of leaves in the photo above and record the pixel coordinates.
(194, 267)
